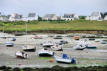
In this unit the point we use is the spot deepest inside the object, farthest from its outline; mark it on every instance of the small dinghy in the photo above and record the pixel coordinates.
(29, 48)
(65, 59)
(45, 53)
(79, 47)
(21, 54)
(57, 47)
(9, 44)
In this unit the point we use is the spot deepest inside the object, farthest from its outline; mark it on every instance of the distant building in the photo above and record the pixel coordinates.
(15, 17)
(105, 18)
(31, 16)
(94, 16)
(50, 17)
(59, 18)
(3, 18)
(70, 17)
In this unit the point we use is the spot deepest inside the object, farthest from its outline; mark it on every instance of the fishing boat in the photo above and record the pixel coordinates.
(9, 44)
(45, 53)
(21, 54)
(29, 48)
(65, 59)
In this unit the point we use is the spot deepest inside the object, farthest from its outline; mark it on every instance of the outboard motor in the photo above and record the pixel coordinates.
(73, 61)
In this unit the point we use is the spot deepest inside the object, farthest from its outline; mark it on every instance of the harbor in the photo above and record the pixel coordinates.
(85, 57)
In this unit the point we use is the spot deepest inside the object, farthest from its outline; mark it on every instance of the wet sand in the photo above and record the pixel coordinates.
(84, 58)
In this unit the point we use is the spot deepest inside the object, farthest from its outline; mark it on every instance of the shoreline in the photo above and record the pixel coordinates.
(63, 31)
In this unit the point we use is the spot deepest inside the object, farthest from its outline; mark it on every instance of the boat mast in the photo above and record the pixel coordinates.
(26, 33)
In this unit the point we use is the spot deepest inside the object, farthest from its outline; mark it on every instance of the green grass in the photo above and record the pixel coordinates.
(55, 25)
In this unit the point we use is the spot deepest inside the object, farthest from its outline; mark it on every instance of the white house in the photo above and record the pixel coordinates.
(15, 17)
(70, 17)
(3, 18)
(50, 17)
(94, 16)
(31, 16)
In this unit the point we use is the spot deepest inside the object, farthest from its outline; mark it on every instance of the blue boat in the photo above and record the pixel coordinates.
(65, 59)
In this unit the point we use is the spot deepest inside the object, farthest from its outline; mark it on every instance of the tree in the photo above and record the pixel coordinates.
(39, 18)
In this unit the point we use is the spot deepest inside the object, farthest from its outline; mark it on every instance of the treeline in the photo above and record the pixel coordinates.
(37, 22)
(57, 68)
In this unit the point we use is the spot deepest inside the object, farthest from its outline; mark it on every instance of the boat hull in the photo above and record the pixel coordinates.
(46, 55)
(29, 50)
(91, 47)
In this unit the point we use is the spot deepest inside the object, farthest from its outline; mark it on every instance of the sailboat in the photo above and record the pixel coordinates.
(28, 48)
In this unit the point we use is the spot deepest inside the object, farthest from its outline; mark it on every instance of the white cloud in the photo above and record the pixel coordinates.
(53, 6)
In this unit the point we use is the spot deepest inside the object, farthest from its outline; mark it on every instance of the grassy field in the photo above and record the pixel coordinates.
(54, 25)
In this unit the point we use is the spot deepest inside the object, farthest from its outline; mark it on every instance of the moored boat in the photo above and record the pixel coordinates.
(45, 53)
(29, 48)
(9, 44)
(65, 59)
(21, 54)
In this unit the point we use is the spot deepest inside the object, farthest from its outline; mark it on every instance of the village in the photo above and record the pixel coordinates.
(99, 16)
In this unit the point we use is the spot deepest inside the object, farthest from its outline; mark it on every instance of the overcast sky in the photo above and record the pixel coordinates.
(80, 7)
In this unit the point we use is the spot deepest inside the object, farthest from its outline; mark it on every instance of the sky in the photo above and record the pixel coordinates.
(59, 7)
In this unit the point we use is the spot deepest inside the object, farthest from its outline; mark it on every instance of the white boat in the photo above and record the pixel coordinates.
(47, 44)
(45, 53)
(9, 44)
(79, 47)
(57, 47)
(29, 48)
(22, 55)
(65, 59)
